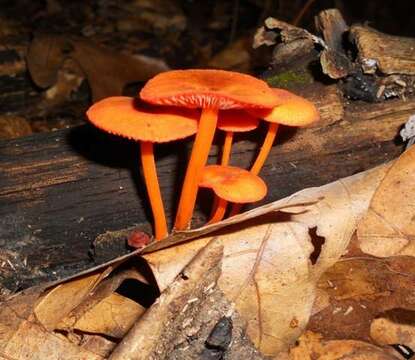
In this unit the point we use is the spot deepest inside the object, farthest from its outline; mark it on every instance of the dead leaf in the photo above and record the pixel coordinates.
(97, 344)
(14, 311)
(101, 292)
(107, 71)
(266, 269)
(62, 299)
(35, 315)
(312, 347)
(359, 290)
(234, 57)
(152, 337)
(112, 317)
(388, 229)
(68, 80)
(385, 331)
(31, 341)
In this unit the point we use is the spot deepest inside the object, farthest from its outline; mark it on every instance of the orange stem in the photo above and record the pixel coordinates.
(153, 189)
(226, 152)
(217, 213)
(260, 160)
(198, 159)
(265, 149)
(219, 210)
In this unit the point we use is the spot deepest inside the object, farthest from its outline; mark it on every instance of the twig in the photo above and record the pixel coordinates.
(303, 10)
(155, 331)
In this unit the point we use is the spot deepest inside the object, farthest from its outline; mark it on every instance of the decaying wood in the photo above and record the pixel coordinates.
(154, 334)
(60, 190)
(391, 54)
(334, 60)
(373, 66)
(294, 46)
(328, 100)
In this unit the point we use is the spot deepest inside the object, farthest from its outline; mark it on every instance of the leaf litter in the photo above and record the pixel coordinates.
(341, 298)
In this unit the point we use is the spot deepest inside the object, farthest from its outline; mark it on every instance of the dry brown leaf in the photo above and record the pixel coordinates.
(97, 344)
(266, 269)
(312, 347)
(107, 71)
(33, 314)
(235, 57)
(113, 316)
(31, 341)
(62, 299)
(385, 331)
(388, 228)
(101, 292)
(152, 337)
(14, 311)
(359, 290)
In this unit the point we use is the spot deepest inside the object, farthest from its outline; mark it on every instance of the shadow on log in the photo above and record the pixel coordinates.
(60, 190)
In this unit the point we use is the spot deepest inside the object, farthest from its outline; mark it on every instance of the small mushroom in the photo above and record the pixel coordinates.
(230, 121)
(125, 116)
(210, 90)
(233, 184)
(292, 110)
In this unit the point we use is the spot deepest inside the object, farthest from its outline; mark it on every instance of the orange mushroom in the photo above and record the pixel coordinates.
(210, 90)
(233, 184)
(124, 116)
(230, 121)
(292, 110)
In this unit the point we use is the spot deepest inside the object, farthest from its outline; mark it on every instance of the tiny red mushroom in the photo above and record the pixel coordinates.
(233, 184)
(124, 116)
(292, 110)
(210, 90)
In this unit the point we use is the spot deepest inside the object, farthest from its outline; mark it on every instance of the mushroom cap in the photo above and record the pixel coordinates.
(292, 110)
(233, 184)
(237, 121)
(208, 89)
(125, 116)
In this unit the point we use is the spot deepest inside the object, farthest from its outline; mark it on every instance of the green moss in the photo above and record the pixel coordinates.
(289, 78)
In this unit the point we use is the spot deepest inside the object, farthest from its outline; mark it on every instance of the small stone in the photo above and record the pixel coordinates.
(221, 335)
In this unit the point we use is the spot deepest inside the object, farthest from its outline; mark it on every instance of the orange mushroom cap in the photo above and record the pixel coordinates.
(292, 110)
(125, 116)
(233, 184)
(208, 89)
(237, 121)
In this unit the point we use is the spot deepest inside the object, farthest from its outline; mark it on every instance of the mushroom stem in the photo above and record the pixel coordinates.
(198, 159)
(226, 152)
(260, 160)
(219, 210)
(153, 189)
(265, 149)
(219, 205)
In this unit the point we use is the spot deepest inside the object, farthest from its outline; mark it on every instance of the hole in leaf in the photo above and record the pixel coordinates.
(318, 242)
(141, 293)
(404, 351)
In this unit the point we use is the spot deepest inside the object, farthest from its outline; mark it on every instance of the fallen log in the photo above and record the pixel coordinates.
(59, 191)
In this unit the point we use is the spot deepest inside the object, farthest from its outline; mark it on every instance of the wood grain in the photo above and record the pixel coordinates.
(60, 190)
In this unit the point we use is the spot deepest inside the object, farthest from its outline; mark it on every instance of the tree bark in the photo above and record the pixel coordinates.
(59, 191)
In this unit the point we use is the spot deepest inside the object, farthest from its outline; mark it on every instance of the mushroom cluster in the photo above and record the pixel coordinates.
(180, 103)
